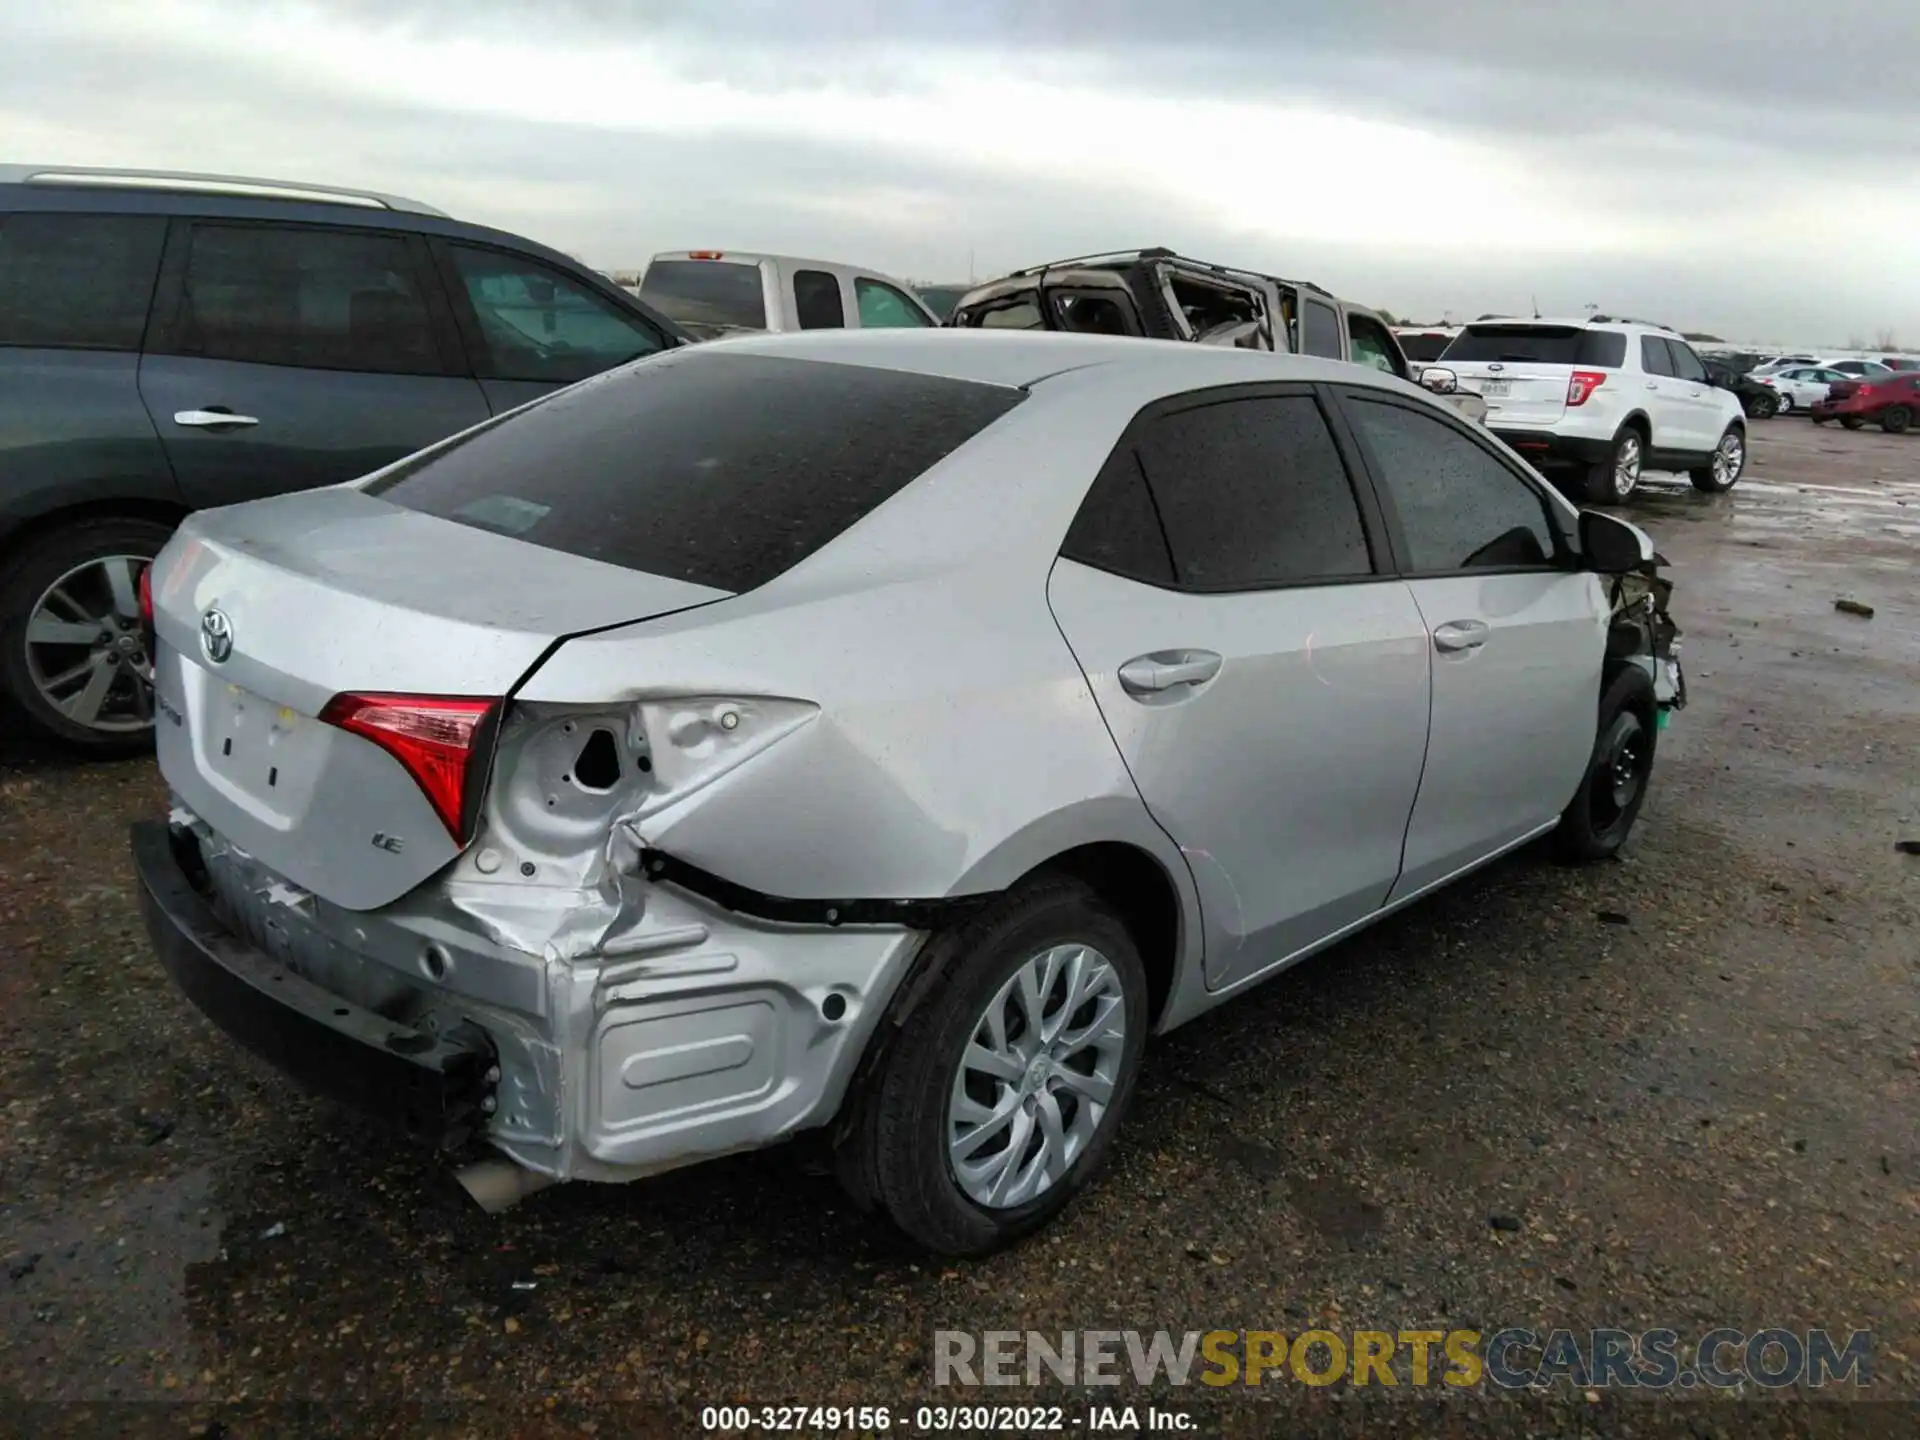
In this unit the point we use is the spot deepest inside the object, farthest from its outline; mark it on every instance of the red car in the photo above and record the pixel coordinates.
(1893, 400)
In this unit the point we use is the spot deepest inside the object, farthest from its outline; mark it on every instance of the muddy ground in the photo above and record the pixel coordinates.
(1687, 1083)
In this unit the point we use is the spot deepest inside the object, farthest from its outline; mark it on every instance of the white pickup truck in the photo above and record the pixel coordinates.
(710, 293)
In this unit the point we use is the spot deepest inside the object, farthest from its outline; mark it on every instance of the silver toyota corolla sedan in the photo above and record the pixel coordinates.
(881, 732)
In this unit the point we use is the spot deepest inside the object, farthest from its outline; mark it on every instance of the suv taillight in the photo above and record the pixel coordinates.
(1582, 383)
(435, 737)
(146, 598)
(1859, 388)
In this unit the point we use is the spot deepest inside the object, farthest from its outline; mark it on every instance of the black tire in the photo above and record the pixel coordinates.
(1598, 819)
(26, 573)
(1766, 407)
(1896, 420)
(893, 1152)
(1733, 449)
(1602, 485)
(1852, 422)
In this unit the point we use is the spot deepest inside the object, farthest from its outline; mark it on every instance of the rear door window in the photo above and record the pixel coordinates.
(1019, 312)
(317, 298)
(536, 323)
(726, 293)
(816, 300)
(884, 308)
(1520, 343)
(1091, 312)
(78, 282)
(1321, 331)
(1460, 507)
(1253, 493)
(716, 468)
(1655, 358)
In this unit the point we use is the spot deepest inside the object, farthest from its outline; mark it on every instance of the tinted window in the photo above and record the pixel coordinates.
(1087, 314)
(1540, 345)
(1253, 493)
(1423, 348)
(1020, 313)
(539, 324)
(1322, 331)
(707, 292)
(1372, 345)
(77, 280)
(1460, 508)
(1686, 364)
(1117, 528)
(1655, 358)
(884, 308)
(705, 466)
(816, 300)
(323, 299)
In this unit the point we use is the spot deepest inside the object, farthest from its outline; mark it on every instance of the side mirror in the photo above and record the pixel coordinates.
(1612, 546)
(1439, 381)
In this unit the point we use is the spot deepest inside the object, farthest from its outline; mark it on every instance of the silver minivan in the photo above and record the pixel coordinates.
(878, 734)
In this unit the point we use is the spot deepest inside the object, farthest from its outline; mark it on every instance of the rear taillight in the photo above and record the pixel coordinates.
(1859, 389)
(1582, 383)
(146, 598)
(435, 737)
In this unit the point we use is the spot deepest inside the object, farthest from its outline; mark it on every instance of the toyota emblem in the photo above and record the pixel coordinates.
(216, 635)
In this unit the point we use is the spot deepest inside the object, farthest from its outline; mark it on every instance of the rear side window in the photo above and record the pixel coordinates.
(1460, 508)
(1655, 358)
(77, 281)
(1253, 494)
(1117, 529)
(884, 308)
(719, 469)
(539, 324)
(1322, 333)
(707, 292)
(320, 299)
(1540, 345)
(816, 300)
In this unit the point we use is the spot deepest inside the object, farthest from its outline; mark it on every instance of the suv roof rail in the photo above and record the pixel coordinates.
(116, 178)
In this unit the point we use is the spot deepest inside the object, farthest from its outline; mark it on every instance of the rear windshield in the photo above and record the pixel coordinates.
(1540, 345)
(716, 468)
(707, 292)
(1423, 349)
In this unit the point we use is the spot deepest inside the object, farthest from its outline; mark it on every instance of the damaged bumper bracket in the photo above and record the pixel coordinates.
(434, 1088)
(906, 914)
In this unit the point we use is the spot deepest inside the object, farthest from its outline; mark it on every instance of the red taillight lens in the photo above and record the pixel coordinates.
(146, 597)
(1860, 389)
(1583, 383)
(434, 737)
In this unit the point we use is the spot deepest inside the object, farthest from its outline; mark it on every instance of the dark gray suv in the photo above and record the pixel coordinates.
(170, 342)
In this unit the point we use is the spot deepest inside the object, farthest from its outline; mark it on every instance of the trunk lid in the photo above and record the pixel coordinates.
(332, 592)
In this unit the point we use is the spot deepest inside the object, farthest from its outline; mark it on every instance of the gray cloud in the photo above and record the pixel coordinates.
(1694, 121)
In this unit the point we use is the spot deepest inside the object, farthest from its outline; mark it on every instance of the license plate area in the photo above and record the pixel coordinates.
(253, 747)
(1496, 389)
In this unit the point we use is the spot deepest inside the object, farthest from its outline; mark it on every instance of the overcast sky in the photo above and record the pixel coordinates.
(1748, 167)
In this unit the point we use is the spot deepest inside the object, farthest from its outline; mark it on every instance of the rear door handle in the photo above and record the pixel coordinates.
(1461, 635)
(1164, 670)
(211, 419)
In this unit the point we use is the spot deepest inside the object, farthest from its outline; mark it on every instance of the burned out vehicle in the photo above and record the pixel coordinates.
(1156, 294)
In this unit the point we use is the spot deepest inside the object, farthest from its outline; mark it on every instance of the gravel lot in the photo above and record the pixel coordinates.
(1690, 1078)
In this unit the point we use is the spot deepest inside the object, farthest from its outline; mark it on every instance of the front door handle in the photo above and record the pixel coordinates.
(1461, 635)
(1164, 670)
(1653, 384)
(211, 419)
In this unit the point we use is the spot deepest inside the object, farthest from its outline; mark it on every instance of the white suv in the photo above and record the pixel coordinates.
(1599, 399)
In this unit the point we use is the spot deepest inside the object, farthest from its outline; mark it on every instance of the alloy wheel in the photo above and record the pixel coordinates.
(1626, 465)
(1038, 1076)
(1729, 459)
(86, 654)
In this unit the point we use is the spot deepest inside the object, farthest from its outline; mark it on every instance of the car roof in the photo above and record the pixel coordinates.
(1022, 358)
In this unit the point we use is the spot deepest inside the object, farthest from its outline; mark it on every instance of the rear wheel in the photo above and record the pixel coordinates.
(999, 1096)
(1896, 420)
(1612, 480)
(1851, 422)
(1597, 822)
(72, 652)
(1729, 459)
(1765, 407)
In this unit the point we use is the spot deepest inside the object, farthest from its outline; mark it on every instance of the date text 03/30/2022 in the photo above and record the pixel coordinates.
(934, 1419)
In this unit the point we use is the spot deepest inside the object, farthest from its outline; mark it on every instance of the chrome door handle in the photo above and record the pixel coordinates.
(1168, 670)
(211, 419)
(1461, 635)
